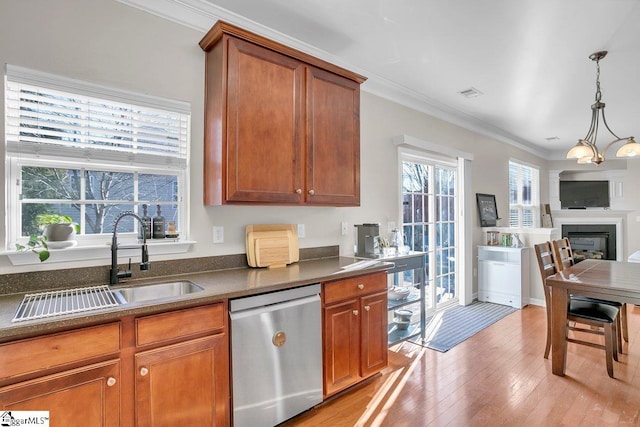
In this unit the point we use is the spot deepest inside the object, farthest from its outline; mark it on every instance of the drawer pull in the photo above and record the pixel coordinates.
(355, 312)
(312, 192)
(361, 286)
(400, 265)
(299, 191)
(144, 371)
(111, 381)
(367, 308)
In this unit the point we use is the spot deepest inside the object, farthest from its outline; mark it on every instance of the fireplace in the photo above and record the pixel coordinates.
(591, 240)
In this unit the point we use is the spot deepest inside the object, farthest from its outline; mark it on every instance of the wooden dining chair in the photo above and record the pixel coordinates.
(593, 314)
(565, 258)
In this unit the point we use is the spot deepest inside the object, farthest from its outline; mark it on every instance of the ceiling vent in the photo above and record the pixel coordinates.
(552, 138)
(472, 92)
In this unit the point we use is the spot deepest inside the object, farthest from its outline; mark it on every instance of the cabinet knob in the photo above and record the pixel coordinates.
(312, 192)
(144, 371)
(367, 308)
(111, 381)
(355, 312)
(299, 191)
(361, 286)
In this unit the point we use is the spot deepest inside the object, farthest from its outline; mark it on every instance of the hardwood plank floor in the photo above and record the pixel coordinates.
(498, 377)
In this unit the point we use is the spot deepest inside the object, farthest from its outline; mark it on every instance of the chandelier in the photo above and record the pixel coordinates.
(586, 150)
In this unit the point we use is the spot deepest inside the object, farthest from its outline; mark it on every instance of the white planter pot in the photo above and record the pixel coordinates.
(60, 235)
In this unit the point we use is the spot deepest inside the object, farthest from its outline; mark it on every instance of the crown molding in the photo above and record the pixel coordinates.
(201, 15)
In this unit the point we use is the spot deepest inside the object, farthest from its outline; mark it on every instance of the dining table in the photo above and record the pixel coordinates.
(596, 278)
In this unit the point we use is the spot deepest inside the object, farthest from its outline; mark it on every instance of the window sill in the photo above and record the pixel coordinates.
(83, 253)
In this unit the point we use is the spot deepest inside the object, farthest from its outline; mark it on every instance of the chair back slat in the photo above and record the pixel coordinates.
(563, 253)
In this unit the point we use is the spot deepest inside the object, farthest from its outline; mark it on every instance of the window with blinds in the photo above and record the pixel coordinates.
(524, 195)
(91, 152)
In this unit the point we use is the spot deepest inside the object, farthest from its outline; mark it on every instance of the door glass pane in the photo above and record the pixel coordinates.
(418, 212)
(407, 208)
(426, 242)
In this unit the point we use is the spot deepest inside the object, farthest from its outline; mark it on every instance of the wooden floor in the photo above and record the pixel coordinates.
(498, 377)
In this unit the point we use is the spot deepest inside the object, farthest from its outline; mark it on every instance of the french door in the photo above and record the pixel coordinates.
(430, 223)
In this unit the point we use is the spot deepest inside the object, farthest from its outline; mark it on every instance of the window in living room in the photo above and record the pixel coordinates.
(91, 152)
(524, 195)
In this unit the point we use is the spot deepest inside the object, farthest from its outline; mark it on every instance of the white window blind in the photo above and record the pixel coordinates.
(92, 122)
(524, 195)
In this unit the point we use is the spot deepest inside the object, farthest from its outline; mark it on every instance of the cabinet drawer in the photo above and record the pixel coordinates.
(501, 298)
(51, 351)
(354, 287)
(180, 324)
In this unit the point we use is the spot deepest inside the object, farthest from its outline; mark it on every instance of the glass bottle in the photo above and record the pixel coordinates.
(145, 232)
(158, 225)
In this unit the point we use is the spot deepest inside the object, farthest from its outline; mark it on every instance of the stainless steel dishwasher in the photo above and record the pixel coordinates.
(276, 355)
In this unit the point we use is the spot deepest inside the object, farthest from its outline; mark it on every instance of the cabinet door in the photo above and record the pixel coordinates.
(497, 276)
(264, 125)
(86, 396)
(341, 346)
(184, 384)
(374, 351)
(333, 139)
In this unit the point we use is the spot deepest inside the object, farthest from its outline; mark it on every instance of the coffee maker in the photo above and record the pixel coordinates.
(366, 235)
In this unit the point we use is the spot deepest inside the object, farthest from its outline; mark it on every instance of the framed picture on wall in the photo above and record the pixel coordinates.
(487, 209)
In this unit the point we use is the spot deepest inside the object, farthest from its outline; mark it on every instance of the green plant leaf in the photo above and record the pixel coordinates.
(43, 255)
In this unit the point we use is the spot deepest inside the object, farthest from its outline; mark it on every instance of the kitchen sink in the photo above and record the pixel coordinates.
(158, 291)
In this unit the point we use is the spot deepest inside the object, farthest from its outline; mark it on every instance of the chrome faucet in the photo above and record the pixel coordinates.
(114, 274)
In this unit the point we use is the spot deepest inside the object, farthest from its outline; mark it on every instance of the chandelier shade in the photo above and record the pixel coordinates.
(630, 149)
(586, 150)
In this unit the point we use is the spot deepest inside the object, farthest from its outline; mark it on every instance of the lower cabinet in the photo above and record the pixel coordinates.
(503, 275)
(355, 330)
(182, 368)
(170, 368)
(87, 396)
(183, 384)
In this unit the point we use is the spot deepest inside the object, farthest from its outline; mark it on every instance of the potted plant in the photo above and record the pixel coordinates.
(58, 231)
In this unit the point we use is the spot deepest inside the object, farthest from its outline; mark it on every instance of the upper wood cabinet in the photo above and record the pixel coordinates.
(281, 127)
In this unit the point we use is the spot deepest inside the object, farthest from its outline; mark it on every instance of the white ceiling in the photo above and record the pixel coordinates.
(529, 58)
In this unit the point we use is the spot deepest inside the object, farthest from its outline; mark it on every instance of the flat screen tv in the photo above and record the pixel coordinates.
(584, 194)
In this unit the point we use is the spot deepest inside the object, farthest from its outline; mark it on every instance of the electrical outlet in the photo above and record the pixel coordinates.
(218, 234)
(391, 225)
(300, 230)
(344, 228)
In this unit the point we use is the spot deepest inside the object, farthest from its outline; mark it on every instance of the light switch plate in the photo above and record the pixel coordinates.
(300, 230)
(344, 228)
(218, 234)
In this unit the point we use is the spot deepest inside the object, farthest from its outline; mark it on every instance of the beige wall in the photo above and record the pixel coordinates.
(106, 42)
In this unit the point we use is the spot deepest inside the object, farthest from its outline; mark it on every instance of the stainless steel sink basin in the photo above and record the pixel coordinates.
(159, 291)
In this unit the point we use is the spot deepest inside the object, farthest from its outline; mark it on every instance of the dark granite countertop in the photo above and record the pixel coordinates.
(219, 285)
